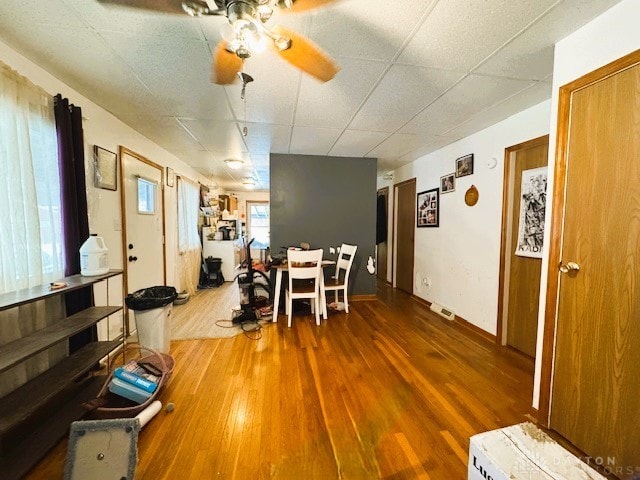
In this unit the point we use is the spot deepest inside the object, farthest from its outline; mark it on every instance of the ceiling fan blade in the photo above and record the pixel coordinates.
(165, 6)
(306, 56)
(303, 5)
(226, 65)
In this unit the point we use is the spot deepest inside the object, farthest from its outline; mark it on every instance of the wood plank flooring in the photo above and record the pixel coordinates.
(388, 391)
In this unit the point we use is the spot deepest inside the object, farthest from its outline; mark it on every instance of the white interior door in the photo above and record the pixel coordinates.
(143, 235)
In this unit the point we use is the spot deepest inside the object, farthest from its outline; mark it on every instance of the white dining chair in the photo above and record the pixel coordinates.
(340, 281)
(305, 268)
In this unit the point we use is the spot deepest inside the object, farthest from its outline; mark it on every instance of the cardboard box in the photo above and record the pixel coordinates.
(523, 452)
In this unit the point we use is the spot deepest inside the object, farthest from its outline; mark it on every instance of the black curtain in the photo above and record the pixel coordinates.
(75, 220)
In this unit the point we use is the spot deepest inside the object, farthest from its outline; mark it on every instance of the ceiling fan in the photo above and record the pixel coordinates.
(246, 28)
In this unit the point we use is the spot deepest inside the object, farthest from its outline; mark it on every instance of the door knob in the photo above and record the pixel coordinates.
(569, 267)
(132, 258)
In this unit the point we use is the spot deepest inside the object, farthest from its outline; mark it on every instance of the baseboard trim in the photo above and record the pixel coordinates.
(462, 322)
(475, 329)
(362, 298)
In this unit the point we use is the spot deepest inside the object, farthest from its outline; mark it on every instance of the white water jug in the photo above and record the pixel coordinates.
(94, 258)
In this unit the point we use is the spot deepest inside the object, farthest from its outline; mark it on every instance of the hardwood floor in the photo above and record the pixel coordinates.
(388, 391)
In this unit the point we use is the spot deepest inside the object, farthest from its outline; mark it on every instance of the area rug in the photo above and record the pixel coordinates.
(224, 329)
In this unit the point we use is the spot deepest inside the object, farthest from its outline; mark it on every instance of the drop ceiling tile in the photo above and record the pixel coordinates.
(459, 34)
(530, 55)
(469, 97)
(216, 136)
(366, 29)
(402, 93)
(176, 73)
(529, 97)
(165, 131)
(313, 140)
(357, 143)
(263, 139)
(113, 18)
(347, 91)
(399, 144)
(104, 77)
(272, 96)
(31, 12)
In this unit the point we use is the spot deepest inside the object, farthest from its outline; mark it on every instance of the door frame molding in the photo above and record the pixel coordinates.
(507, 191)
(384, 191)
(123, 207)
(394, 219)
(557, 220)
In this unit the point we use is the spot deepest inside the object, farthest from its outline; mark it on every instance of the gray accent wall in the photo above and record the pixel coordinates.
(326, 201)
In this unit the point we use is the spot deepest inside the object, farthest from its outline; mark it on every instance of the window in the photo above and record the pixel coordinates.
(31, 251)
(258, 223)
(146, 196)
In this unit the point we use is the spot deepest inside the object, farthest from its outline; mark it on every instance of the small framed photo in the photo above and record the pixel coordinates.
(448, 183)
(105, 171)
(171, 177)
(428, 208)
(464, 166)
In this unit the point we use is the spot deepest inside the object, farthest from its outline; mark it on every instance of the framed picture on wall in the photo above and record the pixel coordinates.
(428, 208)
(464, 166)
(448, 183)
(105, 171)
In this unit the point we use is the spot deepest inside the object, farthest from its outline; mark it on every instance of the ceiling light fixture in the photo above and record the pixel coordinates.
(248, 182)
(234, 163)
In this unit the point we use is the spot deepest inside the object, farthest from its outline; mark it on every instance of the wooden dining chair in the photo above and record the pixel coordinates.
(305, 268)
(340, 281)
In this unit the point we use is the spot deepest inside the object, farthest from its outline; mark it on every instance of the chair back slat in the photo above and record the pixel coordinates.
(345, 260)
(305, 264)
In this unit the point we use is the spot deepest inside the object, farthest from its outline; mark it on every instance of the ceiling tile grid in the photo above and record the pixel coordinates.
(415, 74)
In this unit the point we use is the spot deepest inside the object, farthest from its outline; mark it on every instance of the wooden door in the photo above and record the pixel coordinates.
(381, 249)
(143, 223)
(596, 385)
(524, 272)
(405, 234)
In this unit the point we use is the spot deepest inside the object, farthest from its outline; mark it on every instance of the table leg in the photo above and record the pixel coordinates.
(276, 294)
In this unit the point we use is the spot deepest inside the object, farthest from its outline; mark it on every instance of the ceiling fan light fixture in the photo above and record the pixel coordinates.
(264, 12)
(234, 163)
(282, 43)
(196, 8)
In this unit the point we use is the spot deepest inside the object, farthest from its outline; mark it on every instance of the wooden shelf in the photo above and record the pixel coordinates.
(20, 404)
(21, 456)
(39, 292)
(36, 415)
(19, 350)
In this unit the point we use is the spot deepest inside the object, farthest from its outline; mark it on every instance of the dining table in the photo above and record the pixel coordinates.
(284, 267)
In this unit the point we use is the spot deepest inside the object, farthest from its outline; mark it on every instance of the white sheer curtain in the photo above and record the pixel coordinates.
(189, 246)
(30, 217)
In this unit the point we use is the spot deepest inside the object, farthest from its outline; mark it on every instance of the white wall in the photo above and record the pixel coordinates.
(103, 129)
(612, 35)
(461, 258)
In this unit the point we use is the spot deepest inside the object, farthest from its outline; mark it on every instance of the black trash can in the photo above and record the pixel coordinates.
(152, 307)
(214, 271)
